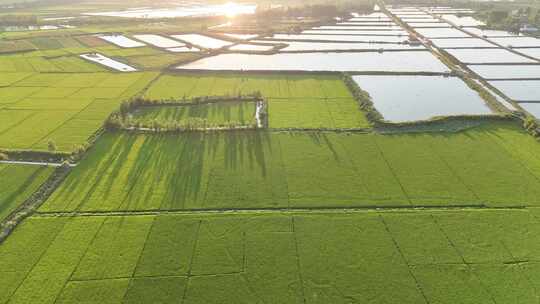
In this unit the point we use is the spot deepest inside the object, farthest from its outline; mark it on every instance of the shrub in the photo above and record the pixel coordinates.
(3, 156)
(51, 145)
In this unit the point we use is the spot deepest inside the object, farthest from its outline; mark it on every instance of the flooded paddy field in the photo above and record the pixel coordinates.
(356, 32)
(159, 41)
(533, 108)
(533, 52)
(491, 33)
(506, 71)
(251, 47)
(488, 56)
(464, 21)
(343, 46)
(121, 41)
(186, 9)
(519, 90)
(516, 42)
(344, 38)
(367, 23)
(403, 61)
(429, 24)
(360, 28)
(448, 43)
(241, 36)
(441, 33)
(108, 62)
(203, 41)
(410, 98)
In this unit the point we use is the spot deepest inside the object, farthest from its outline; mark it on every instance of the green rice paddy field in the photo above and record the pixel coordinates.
(66, 108)
(267, 216)
(494, 165)
(325, 257)
(240, 113)
(294, 101)
(18, 183)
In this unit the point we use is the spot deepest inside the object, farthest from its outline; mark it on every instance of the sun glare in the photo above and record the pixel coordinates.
(232, 9)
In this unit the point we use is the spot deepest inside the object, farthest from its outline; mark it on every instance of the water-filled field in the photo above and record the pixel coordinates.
(409, 98)
(517, 41)
(442, 33)
(344, 38)
(462, 43)
(519, 89)
(533, 108)
(343, 46)
(507, 71)
(488, 56)
(405, 61)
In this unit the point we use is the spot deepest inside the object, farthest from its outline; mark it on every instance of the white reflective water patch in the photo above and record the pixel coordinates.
(159, 41)
(121, 41)
(108, 62)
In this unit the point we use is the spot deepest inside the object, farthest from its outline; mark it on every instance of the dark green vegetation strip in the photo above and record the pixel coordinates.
(416, 257)
(490, 165)
(18, 182)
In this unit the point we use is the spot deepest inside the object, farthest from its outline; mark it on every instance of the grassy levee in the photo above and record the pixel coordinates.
(493, 165)
(294, 101)
(18, 184)
(459, 256)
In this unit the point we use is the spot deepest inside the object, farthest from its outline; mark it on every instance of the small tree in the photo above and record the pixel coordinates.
(51, 145)
(3, 156)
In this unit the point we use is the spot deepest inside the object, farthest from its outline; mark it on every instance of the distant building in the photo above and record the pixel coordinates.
(527, 28)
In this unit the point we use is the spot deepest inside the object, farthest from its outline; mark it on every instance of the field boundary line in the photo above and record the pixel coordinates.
(411, 273)
(297, 255)
(462, 257)
(454, 173)
(254, 211)
(193, 252)
(38, 260)
(393, 172)
(79, 261)
(133, 273)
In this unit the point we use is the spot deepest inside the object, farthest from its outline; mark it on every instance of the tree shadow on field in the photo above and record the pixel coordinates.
(321, 139)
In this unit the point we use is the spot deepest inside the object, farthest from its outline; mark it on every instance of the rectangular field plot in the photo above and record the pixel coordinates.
(442, 33)
(18, 184)
(409, 98)
(64, 108)
(293, 101)
(533, 108)
(403, 61)
(298, 46)
(417, 257)
(506, 71)
(340, 38)
(488, 56)
(526, 90)
(216, 114)
(448, 43)
(533, 52)
(275, 170)
(515, 42)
